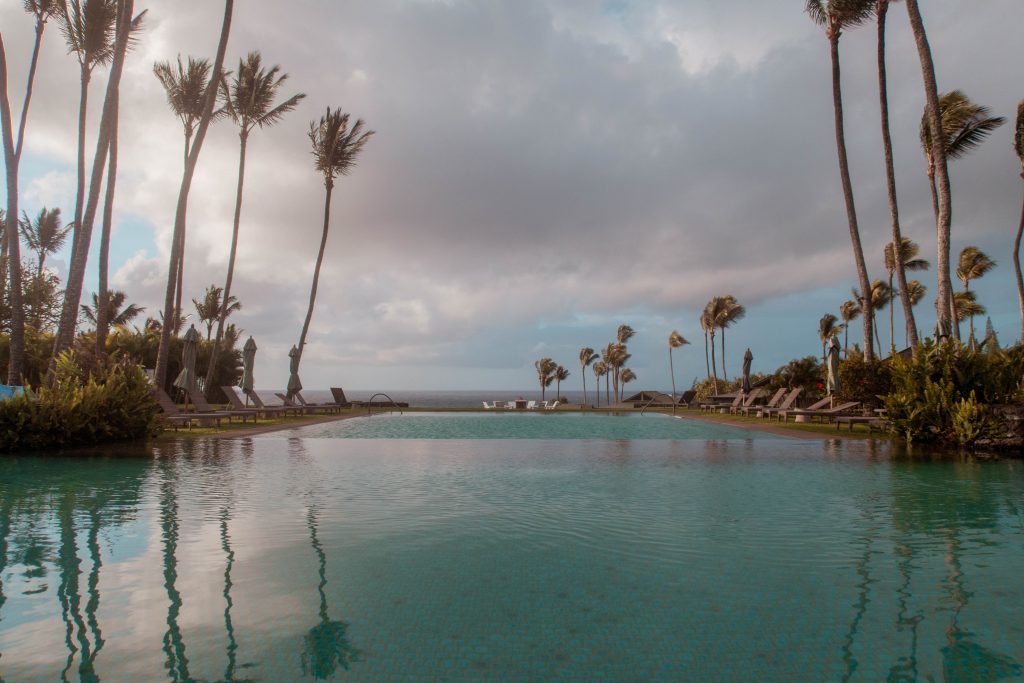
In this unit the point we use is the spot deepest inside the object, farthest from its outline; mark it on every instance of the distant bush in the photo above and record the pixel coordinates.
(111, 400)
(943, 394)
(705, 388)
(864, 381)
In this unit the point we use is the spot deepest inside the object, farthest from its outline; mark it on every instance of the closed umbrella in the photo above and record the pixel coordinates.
(748, 358)
(186, 379)
(294, 383)
(833, 368)
(248, 361)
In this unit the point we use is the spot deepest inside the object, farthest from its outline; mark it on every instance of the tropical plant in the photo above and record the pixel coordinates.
(587, 356)
(561, 374)
(835, 16)
(864, 382)
(899, 262)
(249, 101)
(827, 329)
(214, 307)
(881, 296)
(967, 306)
(600, 370)
(708, 320)
(177, 239)
(617, 360)
(45, 235)
(675, 340)
(627, 376)
(336, 146)
(1018, 147)
(726, 311)
(545, 374)
(622, 335)
(41, 302)
(118, 314)
(973, 263)
(706, 326)
(964, 125)
(848, 311)
(608, 359)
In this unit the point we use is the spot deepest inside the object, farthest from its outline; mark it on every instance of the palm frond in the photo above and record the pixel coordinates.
(965, 125)
(973, 263)
(88, 27)
(336, 146)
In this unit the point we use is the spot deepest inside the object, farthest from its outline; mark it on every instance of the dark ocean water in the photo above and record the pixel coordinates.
(449, 399)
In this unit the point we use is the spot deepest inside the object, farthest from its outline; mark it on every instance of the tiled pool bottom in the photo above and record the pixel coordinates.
(512, 560)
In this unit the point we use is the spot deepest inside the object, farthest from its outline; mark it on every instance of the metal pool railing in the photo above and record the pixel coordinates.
(394, 404)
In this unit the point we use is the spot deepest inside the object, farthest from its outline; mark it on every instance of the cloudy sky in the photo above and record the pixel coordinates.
(543, 170)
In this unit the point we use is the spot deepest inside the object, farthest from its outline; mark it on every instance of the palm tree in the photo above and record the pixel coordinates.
(336, 146)
(177, 239)
(249, 101)
(622, 335)
(827, 328)
(881, 11)
(545, 374)
(881, 296)
(705, 326)
(849, 311)
(600, 370)
(587, 356)
(731, 311)
(17, 337)
(974, 263)
(916, 291)
(944, 201)
(118, 313)
(210, 309)
(46, 235)
(675, 340)
(967, 306)
(627, 376)
(560, 375)
(617, 360)
(906, 261)
(1018, 147)
(608, 362)
(709, 320)
(964, 126)
(836, 16)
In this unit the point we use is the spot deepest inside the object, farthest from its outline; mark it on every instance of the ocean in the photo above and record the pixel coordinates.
(450, 399)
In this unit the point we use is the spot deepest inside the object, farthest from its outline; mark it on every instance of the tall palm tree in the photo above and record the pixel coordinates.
(944, 201)
(608, 361)
(967, 306)
(249, 101)
(623, 334)
(126, 25)
(214, 306)
(600, 370)
(118, 313)
(336, 146)
(709, 318)
(848, 311)
(916, 291)
(186, 96)
(587, 356)
(45, 235)
(973, 263)
(835, 16)
(827, 328)
(900, 261)
(545, 374)
(627, 376)
(965, 125)
(675, 340)
(619, 357)
(881, 296)
(560, 375)
(1018, 147)
(881, 12)
(727, 311)
(705, 326)
(177, 239)
(17, 337)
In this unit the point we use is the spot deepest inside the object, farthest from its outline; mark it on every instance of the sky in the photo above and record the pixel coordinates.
(542, 172)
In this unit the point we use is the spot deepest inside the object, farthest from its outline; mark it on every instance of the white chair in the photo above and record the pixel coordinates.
(531, 405)
(511, 405)
(488, 406)
(553, 405)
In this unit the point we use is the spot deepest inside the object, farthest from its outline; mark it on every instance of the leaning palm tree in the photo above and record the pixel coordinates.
(45, 235)
(177, 239)
(336, 146)
(848, 311)
(118, 313)
(627, 376)
(898, 262)
(587, 356)
(623, 334)
(967, 306)
(545, 374)
(600, 370)
(619, 357)
(1018, 147)
(973, 263)
(835, 16)
(827, 328)
(675, 340)
(881, 296)
(249, 101)
(899, 270)
(708, 320)
(214, 306)
(916, 291)
(964, 125)
(705, 326)
(186, 88)
(17, 335)
(560, 375)
(608, 361)
(729, 311)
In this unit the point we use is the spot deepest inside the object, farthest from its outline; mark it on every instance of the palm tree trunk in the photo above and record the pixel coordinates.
(714, 367)
(672, 371)
(931, 91)
(186, 185)
(707, 362)
(103, 296)
(83, 233)
(892, 321)
(179, 265)
(607, 394)
(878, 340)
(40, 27)
(231, 264)
(725, 376)
(1016, 269)
(316, 270)
(583, 374)
(846, 340)
(851, 211)
(17, 340)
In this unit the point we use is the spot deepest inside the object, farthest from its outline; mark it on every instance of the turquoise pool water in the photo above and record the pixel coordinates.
(525, 425)
(299, 559)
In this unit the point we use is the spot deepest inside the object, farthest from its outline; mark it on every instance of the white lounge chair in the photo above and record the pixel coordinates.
(531, 405)
(553, 405)
(488, 406)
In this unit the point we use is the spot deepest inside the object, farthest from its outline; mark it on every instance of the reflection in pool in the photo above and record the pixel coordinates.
(279, 559)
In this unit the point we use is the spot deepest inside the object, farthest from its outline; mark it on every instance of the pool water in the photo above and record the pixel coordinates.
(294, 558)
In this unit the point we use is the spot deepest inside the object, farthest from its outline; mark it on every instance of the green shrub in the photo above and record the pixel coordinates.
(706, 388)
(110, 401)
(867, 382)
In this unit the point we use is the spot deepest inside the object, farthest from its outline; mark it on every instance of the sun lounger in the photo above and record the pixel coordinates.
(306, 409)
(774, 401)
(553, 405)
(339, 397)
(199, 401)
(747, 402)
(238, 405)
(785, 404)
(531, 405)
(824, 414)
(176, 418)
(872, 422)
(327, 407)
(721, 405)
(284, 408)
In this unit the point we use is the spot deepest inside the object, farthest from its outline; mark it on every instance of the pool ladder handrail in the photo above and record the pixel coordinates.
(394, 404)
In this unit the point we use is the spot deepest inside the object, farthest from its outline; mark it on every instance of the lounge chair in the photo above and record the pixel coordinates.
(823, 413)
(199, 401)
(328, 407)
(339, 397)
(748, 402)
(179, 419)
(238, 405)
(786, 404)
(488, 406)
(553, 405)
(717, 406)
(872, 421)
(772, 402)
(531, 405)
(284, 408)
(305, 409)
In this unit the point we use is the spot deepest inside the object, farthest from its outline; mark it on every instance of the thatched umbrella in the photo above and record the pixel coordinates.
(748, 358)
(186, 379)
(248, 361)
(294, 383)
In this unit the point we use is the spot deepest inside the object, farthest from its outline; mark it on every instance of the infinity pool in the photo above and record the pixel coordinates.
(383, 559)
